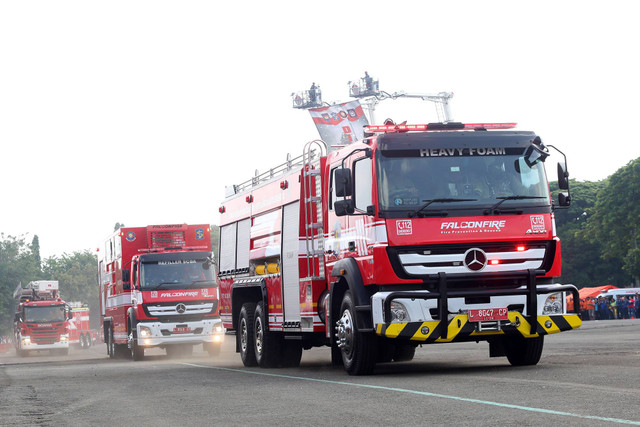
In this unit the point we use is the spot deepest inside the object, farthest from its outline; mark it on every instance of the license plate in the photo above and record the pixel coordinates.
(182, 330)
(488, 314)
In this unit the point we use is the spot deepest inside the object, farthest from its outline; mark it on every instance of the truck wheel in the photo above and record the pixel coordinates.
(87, 340)
(404, 352)
(268, 345)
(246, 335)
(110, 345)
(291, 353)
(137, 352)
(523, 351)
(359, 350)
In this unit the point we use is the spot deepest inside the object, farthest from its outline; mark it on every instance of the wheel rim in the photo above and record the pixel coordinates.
(344, 333)
(259, 335)
(243, 335)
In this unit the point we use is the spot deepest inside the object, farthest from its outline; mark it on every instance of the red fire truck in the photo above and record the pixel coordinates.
(158, 288)
(42, 319)
(417, 234)
(79, 326)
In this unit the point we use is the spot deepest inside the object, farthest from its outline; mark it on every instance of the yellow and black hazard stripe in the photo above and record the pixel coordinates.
(460, 329)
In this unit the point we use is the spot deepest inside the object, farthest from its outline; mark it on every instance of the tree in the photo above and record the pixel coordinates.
(18, 265)
(35, 248)
(615, 224)
(581, 263)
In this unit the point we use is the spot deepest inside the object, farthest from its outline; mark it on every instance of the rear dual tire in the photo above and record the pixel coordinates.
(261, 347)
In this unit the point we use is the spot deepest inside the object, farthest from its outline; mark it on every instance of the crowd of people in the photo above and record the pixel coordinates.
(605, 308)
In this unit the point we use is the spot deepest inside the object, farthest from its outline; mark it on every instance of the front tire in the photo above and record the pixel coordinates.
(110, 345)
(404, 352)
(523, 351)
(137, 352)
(246, 334)
(359, 349)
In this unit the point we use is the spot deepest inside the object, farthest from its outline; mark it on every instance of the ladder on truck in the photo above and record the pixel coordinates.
(312, 204)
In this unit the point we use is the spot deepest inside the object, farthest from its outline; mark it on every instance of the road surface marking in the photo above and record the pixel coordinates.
(424, 393)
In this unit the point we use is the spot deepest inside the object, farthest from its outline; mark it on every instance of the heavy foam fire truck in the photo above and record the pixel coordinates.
(417, 234)
(158, 288)
(80, 326)
(42, 319)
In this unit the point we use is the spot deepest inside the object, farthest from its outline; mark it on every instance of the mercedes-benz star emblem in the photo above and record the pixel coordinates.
(475, 259)
(181, 308)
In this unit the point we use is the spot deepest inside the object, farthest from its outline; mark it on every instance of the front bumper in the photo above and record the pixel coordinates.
(459, 328)
(27, 344)
(441, 315)
(161, 334)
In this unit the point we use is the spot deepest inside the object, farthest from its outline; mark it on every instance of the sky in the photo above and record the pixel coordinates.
(141, 112)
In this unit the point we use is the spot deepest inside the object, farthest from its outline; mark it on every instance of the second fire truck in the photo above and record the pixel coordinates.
(158, 288)
(41, 319)
(418, 234)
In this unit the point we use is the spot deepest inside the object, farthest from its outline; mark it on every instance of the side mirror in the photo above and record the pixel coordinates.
(343, 207)
(17, 318)
(563, 176)
(343, 182)
(564, 199)
(535, 154)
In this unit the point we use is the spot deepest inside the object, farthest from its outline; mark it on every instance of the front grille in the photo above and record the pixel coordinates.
(167, 333)
(460, 259)
(45, 335)
(169, 311)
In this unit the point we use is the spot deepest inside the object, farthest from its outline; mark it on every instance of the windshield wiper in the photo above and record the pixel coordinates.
(159, 285)
(494, 208)
(436, 213)
(204, 281)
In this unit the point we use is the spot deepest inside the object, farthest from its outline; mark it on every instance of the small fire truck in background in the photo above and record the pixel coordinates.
(158, 288)
(42, 319)
(79, 326)
(417, 234)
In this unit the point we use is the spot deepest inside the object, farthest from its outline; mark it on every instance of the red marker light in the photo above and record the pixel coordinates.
(494, 262)
(520, 248)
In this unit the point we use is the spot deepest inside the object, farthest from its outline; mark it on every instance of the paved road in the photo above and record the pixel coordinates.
(586, 377)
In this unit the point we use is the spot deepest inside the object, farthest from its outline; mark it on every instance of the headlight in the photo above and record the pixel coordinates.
(553, 305)
(399, 312)
(145, 332)
(26, 340)
(217, 328)
(64, 337)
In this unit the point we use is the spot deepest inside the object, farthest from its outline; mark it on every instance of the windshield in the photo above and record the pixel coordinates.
(408, 182)
(50, 313)
(176, 274)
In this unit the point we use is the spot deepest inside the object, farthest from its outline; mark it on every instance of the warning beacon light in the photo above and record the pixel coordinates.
(437, 127)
